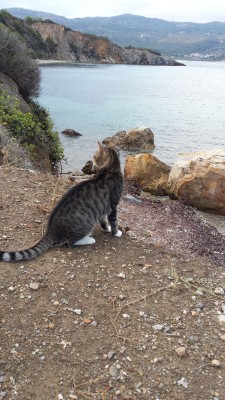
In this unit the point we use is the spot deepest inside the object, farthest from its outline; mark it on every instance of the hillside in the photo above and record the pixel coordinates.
(174, 38)
(48, 40)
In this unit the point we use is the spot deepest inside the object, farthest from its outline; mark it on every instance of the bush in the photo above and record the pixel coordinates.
(16, 62)
(34, 130)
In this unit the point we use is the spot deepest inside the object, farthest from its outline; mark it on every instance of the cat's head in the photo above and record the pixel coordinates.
(106, 158)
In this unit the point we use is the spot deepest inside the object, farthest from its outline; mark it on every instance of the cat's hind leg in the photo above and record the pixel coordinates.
(105, 224)
(84, 241)
(113, 222)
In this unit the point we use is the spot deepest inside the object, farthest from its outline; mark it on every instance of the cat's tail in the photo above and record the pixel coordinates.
(39, 248)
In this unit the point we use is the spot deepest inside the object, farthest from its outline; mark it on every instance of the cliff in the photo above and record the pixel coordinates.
(74, 46)
(48, 40)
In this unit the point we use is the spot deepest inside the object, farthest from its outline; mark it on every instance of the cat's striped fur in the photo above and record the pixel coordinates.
(81, 208)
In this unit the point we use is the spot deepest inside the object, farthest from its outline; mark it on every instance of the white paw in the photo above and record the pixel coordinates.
(85, 240)
(119, 233)
(108, 229)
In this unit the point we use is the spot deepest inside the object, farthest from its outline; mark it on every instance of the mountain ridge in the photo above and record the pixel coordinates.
(50, 40)
(179, 39)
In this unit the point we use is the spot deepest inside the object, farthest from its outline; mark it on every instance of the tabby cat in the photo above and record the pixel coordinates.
(81, 208)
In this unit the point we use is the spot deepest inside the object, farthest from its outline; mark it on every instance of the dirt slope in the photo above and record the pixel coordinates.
(127, 318)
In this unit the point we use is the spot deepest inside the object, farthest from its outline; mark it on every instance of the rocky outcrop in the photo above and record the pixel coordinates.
(71, 133)
(147, 57)
(199, 178)
(136, 139)
(147, 173)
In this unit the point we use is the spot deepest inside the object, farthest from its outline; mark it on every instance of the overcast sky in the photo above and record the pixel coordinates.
(171, 10)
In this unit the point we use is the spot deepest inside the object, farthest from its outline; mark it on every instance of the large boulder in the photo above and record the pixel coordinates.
(147, 173)
(199, 178)
(134, 140)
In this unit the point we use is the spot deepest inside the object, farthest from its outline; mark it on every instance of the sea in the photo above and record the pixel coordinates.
(183, 106)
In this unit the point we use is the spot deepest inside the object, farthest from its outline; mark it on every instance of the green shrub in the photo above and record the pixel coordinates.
(34, 130)
(16, 62)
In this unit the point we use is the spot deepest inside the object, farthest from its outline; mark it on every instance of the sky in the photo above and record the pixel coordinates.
(170, 10)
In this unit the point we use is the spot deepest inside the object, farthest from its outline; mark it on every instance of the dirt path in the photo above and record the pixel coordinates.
(139, 317)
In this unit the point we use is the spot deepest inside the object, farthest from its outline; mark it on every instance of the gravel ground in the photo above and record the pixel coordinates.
(140, 317)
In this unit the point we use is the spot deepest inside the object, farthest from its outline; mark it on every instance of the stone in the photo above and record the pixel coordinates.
(157, 327)
(141, 138)
(215, 363)
(71, 133)
(148, 173)
(181, 351)
(199, 179)
(183, 382)
(113, 371)
(219, 290)
(34, 285)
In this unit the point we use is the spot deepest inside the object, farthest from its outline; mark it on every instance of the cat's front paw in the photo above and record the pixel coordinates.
(118, 233)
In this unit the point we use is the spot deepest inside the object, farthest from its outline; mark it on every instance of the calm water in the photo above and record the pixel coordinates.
(183, 106)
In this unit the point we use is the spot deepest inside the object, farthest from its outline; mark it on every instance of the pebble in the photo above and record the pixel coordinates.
(60, 397)
(215, 363)
(183, 382)
(111, 354)
(126, 316)
(113, 370)
(181, 351)
(132, 235)
(200, 306)
(221, 318)
(121, 275)
(11, 289)
(77, 311)
(34, 285)
(51, 325)
(222, 337)
(157, 327)
(219, 290)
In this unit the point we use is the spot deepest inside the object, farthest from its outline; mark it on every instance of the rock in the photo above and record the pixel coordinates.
(181, 351)
(11, 289)
(183, 382)
(199, 178)
(113, 371)
(215, 363)
(87, 169)
(71, 133)
(157, 327)
(136, 139)
(148, 173)
(219, 290)
(111, 354)
(34, 285)
(77, 311)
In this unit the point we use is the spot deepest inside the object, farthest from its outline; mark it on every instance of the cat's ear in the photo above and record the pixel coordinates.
(101, 147)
